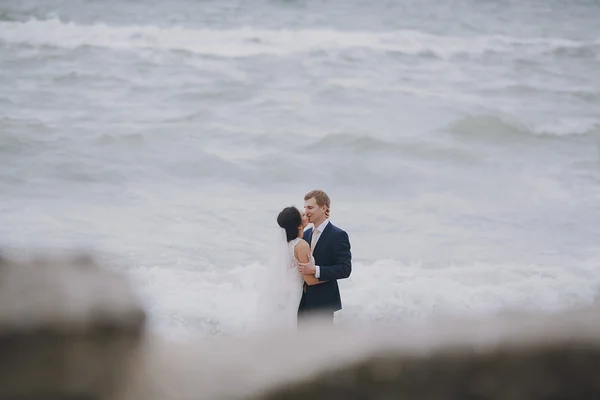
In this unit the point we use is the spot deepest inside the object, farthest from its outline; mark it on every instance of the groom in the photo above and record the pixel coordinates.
(330, 248)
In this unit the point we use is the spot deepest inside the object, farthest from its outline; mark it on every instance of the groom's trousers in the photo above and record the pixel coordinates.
(324, 316)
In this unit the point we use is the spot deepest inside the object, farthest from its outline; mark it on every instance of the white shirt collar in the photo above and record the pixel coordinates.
(322, 227)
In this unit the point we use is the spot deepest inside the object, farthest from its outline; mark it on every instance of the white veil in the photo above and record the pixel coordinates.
(275, 285)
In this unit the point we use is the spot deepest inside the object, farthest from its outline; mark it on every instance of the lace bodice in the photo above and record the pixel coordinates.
(292, 261)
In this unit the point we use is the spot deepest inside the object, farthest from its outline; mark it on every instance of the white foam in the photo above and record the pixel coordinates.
(249, 41)
(567, 127)
(224, 301)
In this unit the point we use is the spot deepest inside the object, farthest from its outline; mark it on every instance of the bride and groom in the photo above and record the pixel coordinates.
(314, 259)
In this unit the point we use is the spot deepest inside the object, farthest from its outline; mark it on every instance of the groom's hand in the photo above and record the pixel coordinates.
(307, 268)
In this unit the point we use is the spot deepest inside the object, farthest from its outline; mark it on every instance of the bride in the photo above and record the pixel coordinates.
(287, 283)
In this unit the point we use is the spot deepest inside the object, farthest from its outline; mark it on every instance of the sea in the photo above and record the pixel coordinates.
(459, 142)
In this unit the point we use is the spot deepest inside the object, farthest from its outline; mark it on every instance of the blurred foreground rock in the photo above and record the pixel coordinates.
(71, 330)
(68, 329)
(510, 357)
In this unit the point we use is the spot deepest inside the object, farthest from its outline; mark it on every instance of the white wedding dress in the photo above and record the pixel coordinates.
(292, 293)
(282, 290)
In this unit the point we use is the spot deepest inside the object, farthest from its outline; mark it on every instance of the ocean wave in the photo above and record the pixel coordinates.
(505, 128)
(249, 42)
(78, 77)
(569, 127)
(589, 51)
(5, 16)
(353, 142)
(14, 141)
(405, 149)
(257, 159)
(585, 94)
(26, 13)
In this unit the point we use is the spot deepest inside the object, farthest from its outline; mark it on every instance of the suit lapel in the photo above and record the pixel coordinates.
(308, 235)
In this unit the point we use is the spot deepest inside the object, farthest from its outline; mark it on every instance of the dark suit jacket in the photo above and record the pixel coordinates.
(332, 255)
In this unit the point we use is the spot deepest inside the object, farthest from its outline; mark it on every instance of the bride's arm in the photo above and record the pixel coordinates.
(311, 280)
(302, 253)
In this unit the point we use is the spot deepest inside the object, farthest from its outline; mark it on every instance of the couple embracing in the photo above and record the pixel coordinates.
(314, 260)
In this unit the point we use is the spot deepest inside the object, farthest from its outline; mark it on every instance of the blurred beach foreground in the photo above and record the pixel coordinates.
(70, 329)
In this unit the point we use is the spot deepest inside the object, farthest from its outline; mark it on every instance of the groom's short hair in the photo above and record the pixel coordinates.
(320, 196)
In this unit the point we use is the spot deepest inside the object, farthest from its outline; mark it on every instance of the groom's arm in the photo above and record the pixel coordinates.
(342, 267)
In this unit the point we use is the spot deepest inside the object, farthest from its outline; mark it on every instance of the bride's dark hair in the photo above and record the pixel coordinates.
(290, 219)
